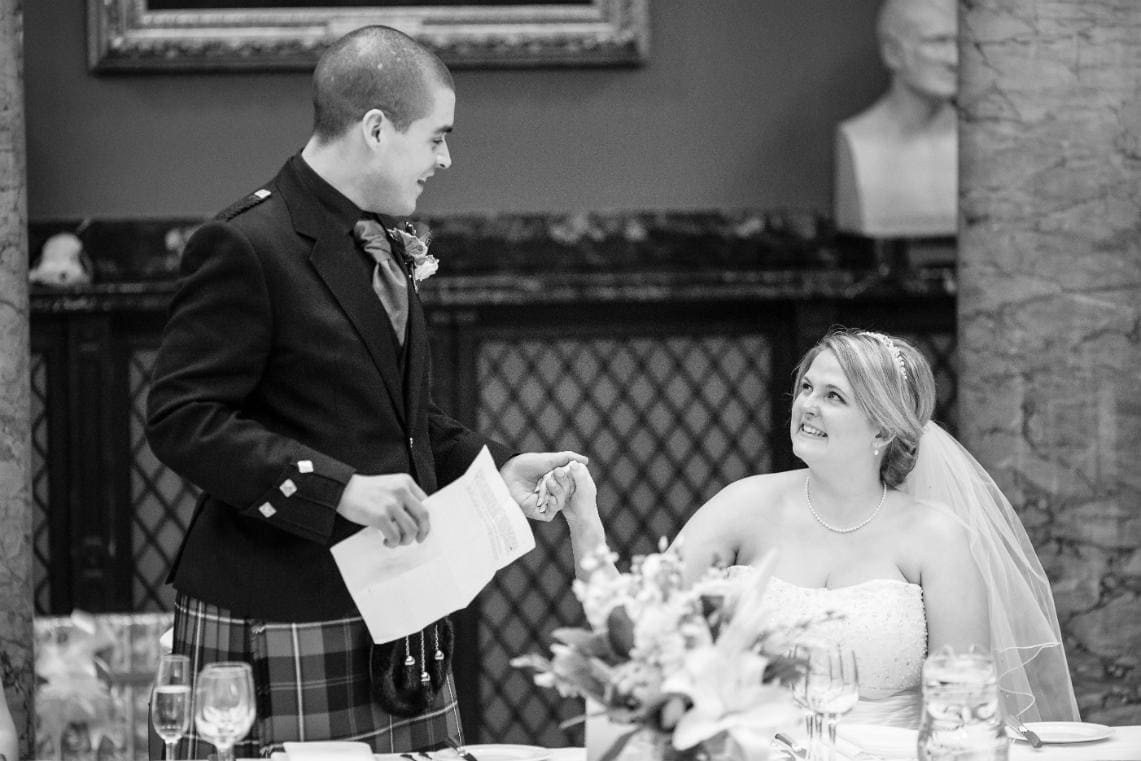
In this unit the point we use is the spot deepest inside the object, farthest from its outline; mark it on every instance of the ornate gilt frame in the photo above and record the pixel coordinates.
(125, 36)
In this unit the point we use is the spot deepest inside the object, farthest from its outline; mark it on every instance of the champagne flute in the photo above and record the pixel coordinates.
(843, 691)
(224, 705)
(802, 652)
(171, 700)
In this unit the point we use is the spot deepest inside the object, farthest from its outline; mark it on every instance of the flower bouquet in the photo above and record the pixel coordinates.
(74, 706)
(691, 669)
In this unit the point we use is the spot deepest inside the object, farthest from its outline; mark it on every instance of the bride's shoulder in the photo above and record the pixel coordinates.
(755, 492)
(718, 528)
(933, 521)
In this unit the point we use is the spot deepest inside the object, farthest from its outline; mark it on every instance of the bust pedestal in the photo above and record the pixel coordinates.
(890, 185)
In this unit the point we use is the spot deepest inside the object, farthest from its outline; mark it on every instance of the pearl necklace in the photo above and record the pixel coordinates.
(829, 526)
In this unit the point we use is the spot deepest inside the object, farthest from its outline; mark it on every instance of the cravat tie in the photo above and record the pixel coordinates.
(388, 278)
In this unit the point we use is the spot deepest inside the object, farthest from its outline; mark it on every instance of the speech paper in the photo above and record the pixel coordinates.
(476, 529)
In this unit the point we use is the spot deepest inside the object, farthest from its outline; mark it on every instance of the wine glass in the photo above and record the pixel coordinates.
(224, 706)
(802, 653)
(828, 688)
(171, 701)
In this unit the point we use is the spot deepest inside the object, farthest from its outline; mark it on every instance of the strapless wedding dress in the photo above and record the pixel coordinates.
(884, 623)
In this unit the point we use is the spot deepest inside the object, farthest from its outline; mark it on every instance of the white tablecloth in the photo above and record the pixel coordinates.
(1123, 745)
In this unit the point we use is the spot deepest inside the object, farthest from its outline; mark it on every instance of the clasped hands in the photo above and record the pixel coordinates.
(540, 482)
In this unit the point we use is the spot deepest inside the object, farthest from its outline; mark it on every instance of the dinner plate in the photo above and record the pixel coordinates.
(891, 742)
(1065, 731)
(496, 752)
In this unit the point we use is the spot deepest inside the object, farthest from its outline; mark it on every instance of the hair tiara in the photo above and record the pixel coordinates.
(896, 354)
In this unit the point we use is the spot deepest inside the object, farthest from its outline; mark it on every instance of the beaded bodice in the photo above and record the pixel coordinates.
(882, 620)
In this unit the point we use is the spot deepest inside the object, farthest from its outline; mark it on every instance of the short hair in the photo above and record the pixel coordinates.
(892, 384)
(374, 67)
(898, 19)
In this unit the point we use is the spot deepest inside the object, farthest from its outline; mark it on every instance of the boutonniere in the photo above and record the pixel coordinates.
(414, 250)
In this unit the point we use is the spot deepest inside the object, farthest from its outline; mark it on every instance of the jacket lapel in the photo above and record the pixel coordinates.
(350, 285)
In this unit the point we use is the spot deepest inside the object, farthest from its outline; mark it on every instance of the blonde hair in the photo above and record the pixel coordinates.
(892, 384)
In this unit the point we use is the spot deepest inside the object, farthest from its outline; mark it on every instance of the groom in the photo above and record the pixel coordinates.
(292, 387)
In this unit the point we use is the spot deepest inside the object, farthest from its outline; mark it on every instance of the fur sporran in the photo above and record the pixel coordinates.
(408, 673)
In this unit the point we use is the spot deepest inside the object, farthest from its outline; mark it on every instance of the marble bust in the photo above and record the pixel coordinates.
(896, 162)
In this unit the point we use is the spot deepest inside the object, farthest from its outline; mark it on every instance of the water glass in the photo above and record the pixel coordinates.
(827, 689)
(224, 705)
(962, 718)
(171, 701)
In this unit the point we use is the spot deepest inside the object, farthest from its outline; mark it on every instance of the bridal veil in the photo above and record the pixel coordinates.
(1025, 637)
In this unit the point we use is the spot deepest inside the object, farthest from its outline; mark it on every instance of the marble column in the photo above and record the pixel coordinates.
(16, 659)
(1050, 307)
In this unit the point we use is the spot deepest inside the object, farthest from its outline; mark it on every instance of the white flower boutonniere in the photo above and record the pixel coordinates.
(420, 263)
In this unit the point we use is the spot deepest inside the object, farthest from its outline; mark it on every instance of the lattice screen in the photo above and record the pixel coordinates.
(666, 421)
(162, 502)
(41, 536)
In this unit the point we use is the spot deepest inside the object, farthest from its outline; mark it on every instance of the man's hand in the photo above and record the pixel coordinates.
(539, 496)
(392, 503)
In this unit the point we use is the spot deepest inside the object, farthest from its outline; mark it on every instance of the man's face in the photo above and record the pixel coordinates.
(927, 52)
(405, 160)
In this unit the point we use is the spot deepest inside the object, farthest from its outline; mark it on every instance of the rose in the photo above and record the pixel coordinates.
(414, 250)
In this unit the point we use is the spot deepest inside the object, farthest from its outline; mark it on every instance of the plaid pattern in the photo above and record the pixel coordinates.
(312, 683)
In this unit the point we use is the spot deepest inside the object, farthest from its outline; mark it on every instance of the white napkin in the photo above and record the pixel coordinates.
(333, 750)
(861, 741)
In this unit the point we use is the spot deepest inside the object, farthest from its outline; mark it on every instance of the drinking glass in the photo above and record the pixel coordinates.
(802, 653)
(828, 688)
(171, 701)
(962, 713)
(224, 705)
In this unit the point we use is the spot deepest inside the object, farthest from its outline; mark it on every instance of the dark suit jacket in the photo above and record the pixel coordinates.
(278, 378)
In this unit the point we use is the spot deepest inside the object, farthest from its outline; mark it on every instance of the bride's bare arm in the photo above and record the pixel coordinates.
(587, 534)
(713, 534)
(954, 596)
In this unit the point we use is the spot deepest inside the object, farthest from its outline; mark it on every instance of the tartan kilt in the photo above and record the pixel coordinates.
(312, 683)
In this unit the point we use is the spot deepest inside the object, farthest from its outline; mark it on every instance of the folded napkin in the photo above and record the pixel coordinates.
(331, 750)
(869, 741)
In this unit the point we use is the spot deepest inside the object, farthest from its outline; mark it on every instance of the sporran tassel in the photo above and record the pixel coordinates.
(424, 678)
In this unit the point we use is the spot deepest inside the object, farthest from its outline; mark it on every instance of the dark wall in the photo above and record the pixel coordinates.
(735, 108)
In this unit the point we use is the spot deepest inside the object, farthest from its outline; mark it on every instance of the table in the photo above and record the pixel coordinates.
(1123, 745)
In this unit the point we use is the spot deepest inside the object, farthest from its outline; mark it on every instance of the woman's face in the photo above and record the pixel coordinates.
(826, 421)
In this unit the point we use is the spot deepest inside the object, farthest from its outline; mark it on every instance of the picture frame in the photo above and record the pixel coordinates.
(126, 36)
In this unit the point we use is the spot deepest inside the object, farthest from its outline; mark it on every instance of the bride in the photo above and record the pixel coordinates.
(893, 527)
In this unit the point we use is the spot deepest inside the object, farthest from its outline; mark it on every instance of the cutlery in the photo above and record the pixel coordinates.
(1027, 734)
(463, 752)
(796, 749)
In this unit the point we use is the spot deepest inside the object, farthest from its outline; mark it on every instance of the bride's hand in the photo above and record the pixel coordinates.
(587, 534)
(581, 500)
